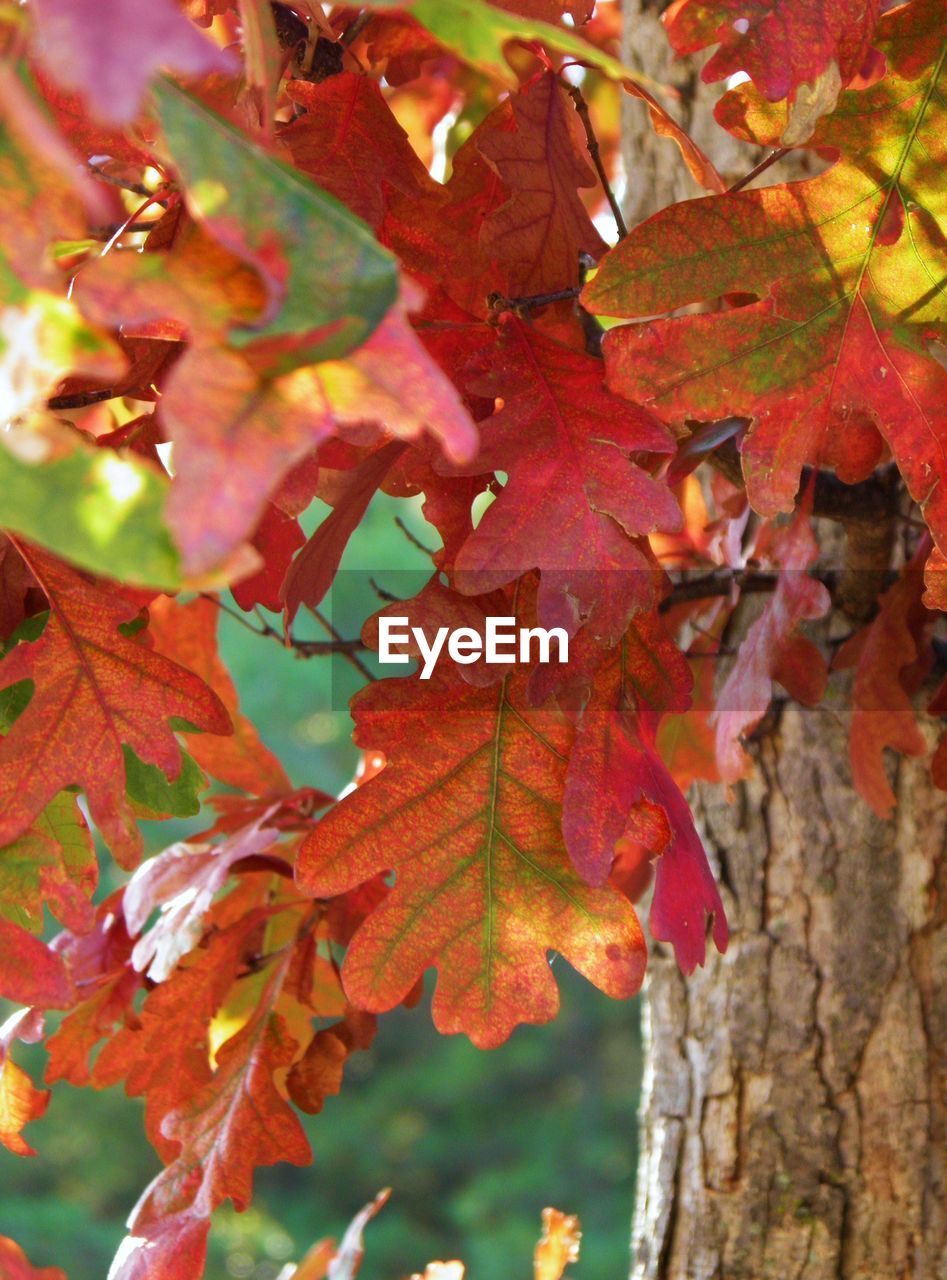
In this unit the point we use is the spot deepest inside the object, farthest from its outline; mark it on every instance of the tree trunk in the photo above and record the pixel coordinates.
(795, 1098)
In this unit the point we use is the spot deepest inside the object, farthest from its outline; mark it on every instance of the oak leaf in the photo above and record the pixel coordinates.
(15, 1265)
(843, 264)
(780, 44)
(883, 655)
(578, 502)
(95, 691)
(772, 649)
(615, 771)
(109, 50)
(467, 812)
(543, 229)
(241, 760)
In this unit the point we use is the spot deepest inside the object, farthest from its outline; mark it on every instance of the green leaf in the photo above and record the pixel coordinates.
(52, 863)
(332, 280)
(99, 509)
(477, 31)
(153, 796)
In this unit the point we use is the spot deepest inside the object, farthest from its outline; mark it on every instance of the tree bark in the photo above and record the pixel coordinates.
(795, 1098)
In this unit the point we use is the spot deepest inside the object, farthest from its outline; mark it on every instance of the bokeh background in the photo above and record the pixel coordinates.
(472, 1144)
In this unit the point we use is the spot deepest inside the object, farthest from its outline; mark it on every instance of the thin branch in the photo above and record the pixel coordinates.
(137, 188)
(303, 648)
(265, 630)
(497, 301)
(415, 542)
(355, 29)
(388, 596)
(755, 172)
(81, 399)
(591, 142)
(346, 647)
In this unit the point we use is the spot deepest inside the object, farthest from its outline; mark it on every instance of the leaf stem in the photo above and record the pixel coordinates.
(755, 172)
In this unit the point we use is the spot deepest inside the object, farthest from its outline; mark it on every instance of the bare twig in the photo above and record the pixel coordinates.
(755, 172)
(348, 648)
(591, 142)
(497, 302)
(137, 188)
(355, 29)
(415, 542)
(81, 399)
(303, 648)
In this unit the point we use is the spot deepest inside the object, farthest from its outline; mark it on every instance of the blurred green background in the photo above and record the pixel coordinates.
(473, 1144)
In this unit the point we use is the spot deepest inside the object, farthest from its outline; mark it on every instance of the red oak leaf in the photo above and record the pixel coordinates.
(615, 768)
(30, 973)
(577, 504)
(235, 1123)
(771, 649)
(278, 537)
(168, 1073)
(98, 961)
(108, 50)
(350, 143)
(96, 690)
(541, 231)
(467, 812)
(183, 882)
(787, 47)
(311, 573)
(835, 348)
(241, 760)
(240, 434)
(883, 717)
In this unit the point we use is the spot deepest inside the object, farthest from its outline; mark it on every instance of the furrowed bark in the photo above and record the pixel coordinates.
(794, 1111)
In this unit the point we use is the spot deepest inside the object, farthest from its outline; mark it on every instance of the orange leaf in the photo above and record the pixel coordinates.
(558, 1246)
(836, 349)
(20, 1101)
(467, 812)
(95, 691)
(14, 1264)
(189, 631)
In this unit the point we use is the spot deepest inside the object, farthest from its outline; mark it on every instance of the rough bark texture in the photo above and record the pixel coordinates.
(795, 1099)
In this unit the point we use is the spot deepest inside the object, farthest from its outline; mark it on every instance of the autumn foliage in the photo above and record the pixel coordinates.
(253, 255)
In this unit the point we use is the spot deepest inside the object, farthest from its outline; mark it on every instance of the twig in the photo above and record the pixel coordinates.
(81, 399)
(265, 630)
(497, 302)
(388, 596)
(137, 188)
(591, 142)
(355, 29)
(303, 648)
(346, 647)
(755, 172)
(415, 542)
